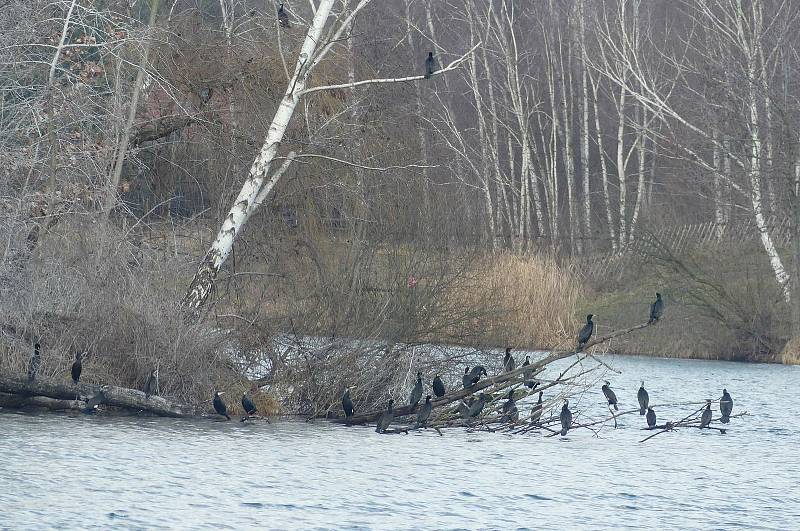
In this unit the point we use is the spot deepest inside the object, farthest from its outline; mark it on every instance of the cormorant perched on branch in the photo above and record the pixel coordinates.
(566, 418)
(33, 364)
(586, 331)
(473, 376)
(283, 18)
(347, 403)
(508, 361)
(416, 393)
(438, 387)
(725, 407)
(528, 373)
(430, 65)
(644, 399)
(425, 413)
(656, 309)
(651, 418)
(248, 405)
(219, 406)
(77, 367)
(510, 411)
(705, 419)
(386, 418)
(476, 408)
(151, 384)
(610, 395)
(536, 414)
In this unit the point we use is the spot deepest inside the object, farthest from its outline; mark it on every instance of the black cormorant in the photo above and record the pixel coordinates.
(475, 374)
(477, 407)
(566, 418)
(151, 384)
(725, 407)
(438, 387)
(586, 331)
(386, 418)
(416, 393)
(508, 361)
(425, 413)
(283, 18)
(510, 411)
(347, 403)
(644, 399)
(527, 374)
(33, 364)
(219, 406)
(248, 406)
(77, 367)
(536, 414)
(466, 380)
(430, 65)
(651, 418)
(610, 395)
(705, 419)
(656, 309)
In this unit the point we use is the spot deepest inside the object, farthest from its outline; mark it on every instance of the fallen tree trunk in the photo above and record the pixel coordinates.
(18, 401)
(111, 395)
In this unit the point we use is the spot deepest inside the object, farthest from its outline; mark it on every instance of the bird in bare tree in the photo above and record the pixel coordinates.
(536, 413)
(510, 410)
(430, 65)
(566, 418)
(651, 418)
(438, 387)
(705, 418)
(725, 407)
(283, 18)
(508, 361)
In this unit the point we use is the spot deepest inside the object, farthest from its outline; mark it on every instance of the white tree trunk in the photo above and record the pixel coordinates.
(584, 134)
(603, 169)
(254, 186)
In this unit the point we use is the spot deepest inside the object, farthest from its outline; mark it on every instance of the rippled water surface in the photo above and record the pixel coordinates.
(77, 471)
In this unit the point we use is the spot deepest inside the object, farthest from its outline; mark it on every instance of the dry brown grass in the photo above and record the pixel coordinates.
(528, 300)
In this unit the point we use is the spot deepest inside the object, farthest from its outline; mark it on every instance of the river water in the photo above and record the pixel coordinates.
(95, 472)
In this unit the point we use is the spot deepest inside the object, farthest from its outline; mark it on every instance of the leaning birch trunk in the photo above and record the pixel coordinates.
(255, 188)
(752, 53)
(584, 136)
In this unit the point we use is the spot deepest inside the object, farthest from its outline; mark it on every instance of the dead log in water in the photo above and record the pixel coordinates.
(12, 401)
(121, 397)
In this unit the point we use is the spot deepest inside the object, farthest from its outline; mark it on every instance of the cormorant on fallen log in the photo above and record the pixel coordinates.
(466, 380)
(508, 361)
(528, 373)
(644, 399)
(416, 393)
(476, 373)
(77, 367)
(705, 419)
(536, 414)
(510, 411)
(248, 406)
(651, 417)
(438, 387)
(219, 406)
(283, 18)
(477, 407)
(610, 395)
(430, 65)
(33, 364)
(386, 418)
(425, 413)
(566, 418)
(725, 407)
(93, 402)
(151, 384)
(656, 309)
(347, 403)
(586, 331)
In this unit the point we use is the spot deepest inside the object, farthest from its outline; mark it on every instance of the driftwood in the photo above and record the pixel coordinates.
(498, 382)
(106, 394)
(19, 401)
